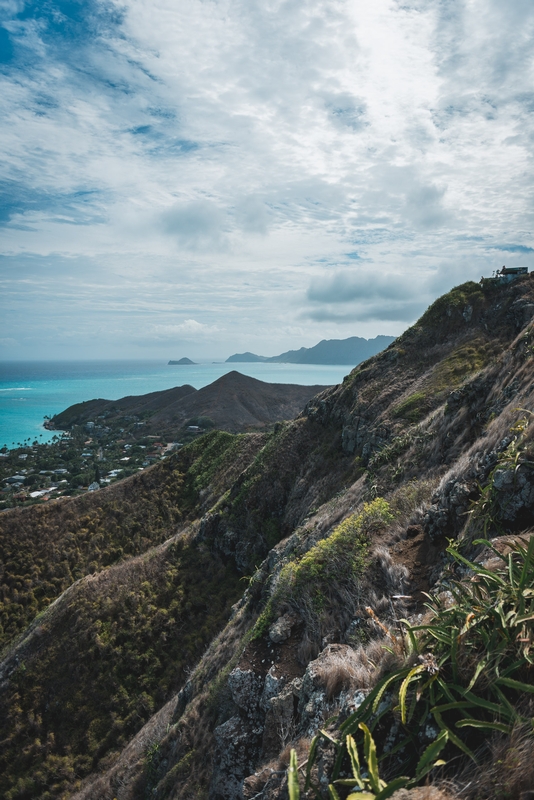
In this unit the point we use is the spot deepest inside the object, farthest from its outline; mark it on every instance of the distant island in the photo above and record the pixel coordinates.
(349, 351)
(183, 362)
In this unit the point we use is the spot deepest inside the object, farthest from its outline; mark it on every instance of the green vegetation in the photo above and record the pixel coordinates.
(107, 660)
(144, 575)
(329, 572)
(337, 558)
(211, 455)
(393, 449)
(43, 550)
(448, 374)
(367, 782)
(302, 452)
(462, 362)
(119, 644)
(490, 509)
(457, 300)
(466, 675)
(413, 408)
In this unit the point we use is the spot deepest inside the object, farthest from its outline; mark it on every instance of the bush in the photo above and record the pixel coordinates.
(329, 574)
(467, 674)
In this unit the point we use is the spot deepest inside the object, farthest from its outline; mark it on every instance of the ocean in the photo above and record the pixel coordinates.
(31, 390)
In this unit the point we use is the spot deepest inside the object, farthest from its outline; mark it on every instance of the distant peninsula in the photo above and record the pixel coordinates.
(183, 362)
(350, 352)
(235, 403)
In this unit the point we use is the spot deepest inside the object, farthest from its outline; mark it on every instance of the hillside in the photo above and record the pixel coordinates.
(175, 635)
(349, 351)
(233, 402)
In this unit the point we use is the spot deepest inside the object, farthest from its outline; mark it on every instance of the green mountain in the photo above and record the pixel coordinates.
(179, 633)
(350, 351)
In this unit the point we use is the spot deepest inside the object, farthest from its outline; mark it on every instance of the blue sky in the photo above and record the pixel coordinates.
(205, 177)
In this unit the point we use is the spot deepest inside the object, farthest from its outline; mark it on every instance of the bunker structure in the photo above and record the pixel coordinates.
(507, 274)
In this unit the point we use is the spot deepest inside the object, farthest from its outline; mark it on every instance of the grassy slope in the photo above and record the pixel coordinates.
(117, 645)
(115, 649)
(44, 549)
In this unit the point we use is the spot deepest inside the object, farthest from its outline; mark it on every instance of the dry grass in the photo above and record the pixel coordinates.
(395, 575)
(508, 773)
(358, 668)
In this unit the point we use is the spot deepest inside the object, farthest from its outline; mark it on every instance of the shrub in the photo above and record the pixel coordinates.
(467, 674)
(413, 408)
(329, 574)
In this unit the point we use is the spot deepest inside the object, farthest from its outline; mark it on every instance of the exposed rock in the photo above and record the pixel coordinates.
(295, 493)
(273, 686)
(336, 663)
(236, 750)
(514, 488)
(246, 688)
(280, 721)
(281, 629)
(447, 514)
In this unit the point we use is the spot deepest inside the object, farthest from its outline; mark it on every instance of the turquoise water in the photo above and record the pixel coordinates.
(31, 390)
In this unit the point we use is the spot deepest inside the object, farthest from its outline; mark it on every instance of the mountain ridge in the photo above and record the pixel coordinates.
(233, 402)
(347, 507)
(349, 351)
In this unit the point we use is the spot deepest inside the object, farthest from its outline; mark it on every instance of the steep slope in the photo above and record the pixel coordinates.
(94, 664)
(44, 549)
(347, 507)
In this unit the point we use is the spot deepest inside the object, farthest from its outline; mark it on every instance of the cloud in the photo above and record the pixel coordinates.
(187, 328)
(169, 334)
(405, 312)
(160, 161)
(424, 206)
(252, 215)
(343, 287)
(196, 226)
(347, 109)
(364, 294)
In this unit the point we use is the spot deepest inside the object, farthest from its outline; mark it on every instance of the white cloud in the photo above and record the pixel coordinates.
(216, 160)
(196, 226)
(189, 328)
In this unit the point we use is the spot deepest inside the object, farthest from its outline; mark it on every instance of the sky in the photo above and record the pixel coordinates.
(205, 177)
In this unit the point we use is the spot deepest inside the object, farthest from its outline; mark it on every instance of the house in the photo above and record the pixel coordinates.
(15, 479)
(507, 274)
